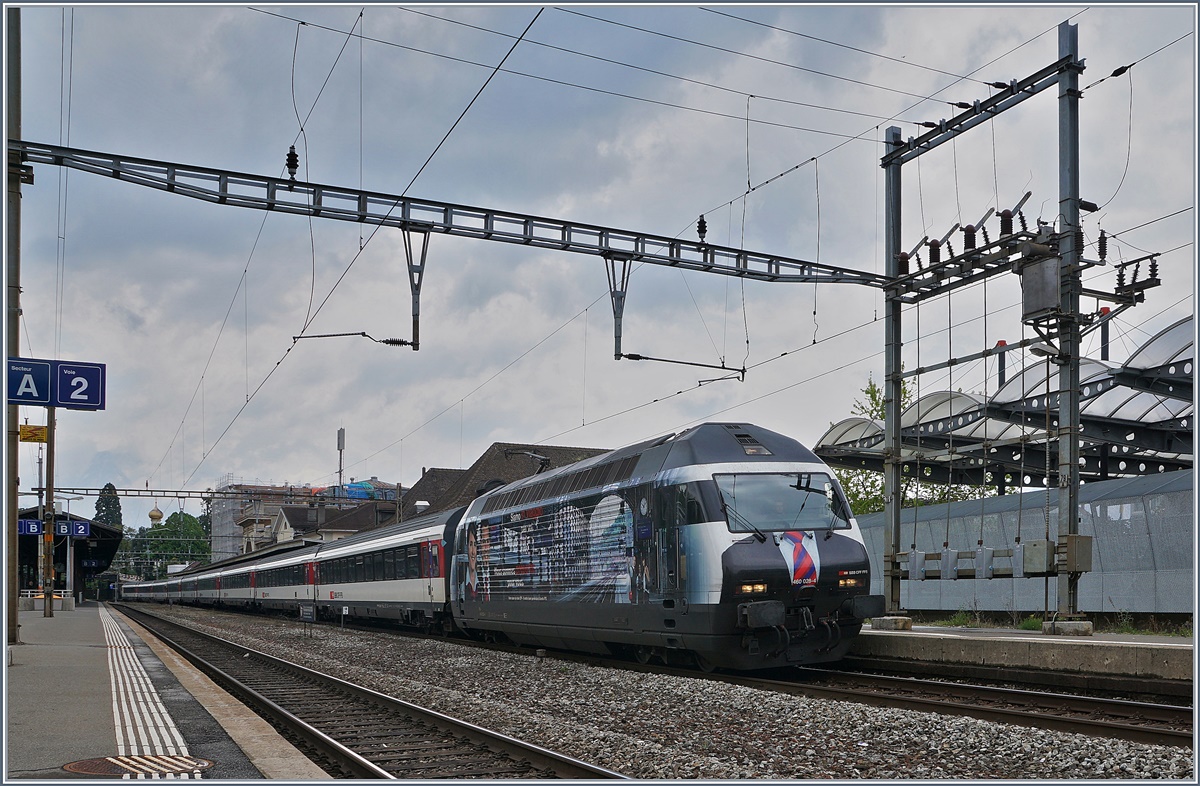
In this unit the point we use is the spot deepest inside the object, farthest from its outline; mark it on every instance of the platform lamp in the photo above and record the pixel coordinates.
(70, 562)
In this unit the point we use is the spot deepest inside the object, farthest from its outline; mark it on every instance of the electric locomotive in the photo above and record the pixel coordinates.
(727, 546)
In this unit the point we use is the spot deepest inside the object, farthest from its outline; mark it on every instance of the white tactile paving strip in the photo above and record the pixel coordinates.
(149, 745)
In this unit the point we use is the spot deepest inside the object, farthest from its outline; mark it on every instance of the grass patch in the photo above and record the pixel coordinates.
(1030, 623)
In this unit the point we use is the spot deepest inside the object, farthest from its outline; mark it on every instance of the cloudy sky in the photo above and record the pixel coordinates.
(767, 120)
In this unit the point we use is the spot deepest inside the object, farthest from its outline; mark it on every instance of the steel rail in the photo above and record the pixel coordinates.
(1164, 723)
(537, 757)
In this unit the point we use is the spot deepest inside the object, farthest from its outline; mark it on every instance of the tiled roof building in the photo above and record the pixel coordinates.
(502, 463)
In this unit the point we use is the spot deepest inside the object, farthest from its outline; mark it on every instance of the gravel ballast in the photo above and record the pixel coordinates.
(654, 726)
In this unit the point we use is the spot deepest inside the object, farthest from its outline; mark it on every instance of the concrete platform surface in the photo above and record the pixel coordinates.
(87, 684)
(1160, 657)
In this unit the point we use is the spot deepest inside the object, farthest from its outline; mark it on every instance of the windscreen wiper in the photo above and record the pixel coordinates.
(728, 511)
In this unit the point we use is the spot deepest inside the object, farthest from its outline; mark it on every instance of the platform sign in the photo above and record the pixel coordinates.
(79, 385)
(29, 527)
(56, 383)
(76, 529)
(29, 381)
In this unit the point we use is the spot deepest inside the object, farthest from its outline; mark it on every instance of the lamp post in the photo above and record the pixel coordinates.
(70, 588)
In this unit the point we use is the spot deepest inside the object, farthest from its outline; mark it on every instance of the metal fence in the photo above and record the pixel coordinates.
(1142, 549)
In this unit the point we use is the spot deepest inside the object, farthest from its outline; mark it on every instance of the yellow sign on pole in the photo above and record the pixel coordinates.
(33, 433)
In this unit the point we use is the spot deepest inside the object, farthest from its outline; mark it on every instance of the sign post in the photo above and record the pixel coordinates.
(48, 538)
(53, 383)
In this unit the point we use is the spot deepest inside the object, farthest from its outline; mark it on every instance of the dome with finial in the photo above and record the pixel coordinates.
(156, 515)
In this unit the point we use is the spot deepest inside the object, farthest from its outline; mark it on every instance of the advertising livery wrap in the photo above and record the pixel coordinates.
(718, 543)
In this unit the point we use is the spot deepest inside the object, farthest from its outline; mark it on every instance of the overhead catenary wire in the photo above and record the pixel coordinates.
(247, 385)
(894, 117)
(243, 287)
(313, 316)
(643, 69)
(574, 85)
(759, 58)
(66, 84)
(896, 60)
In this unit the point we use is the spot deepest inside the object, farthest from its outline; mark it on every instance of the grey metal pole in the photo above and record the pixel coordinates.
(1068, 319)
(893, 379)
(51, 518)
(13, 323)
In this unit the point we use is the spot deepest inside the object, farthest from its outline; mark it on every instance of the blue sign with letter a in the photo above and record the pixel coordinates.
(29, 382)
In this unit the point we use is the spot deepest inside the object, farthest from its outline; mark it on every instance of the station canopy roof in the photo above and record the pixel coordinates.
(1136, 419)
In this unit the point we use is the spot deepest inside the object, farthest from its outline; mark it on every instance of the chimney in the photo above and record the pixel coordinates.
(422, 506)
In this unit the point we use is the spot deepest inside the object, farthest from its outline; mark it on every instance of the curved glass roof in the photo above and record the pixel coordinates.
(1175, 344)
(1136, 419)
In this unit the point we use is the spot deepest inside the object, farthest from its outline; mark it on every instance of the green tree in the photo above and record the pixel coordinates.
(864, 487)
(108, 507)
(178, 540)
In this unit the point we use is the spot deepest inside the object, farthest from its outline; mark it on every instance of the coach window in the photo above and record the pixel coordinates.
(378, 559)
(389, 564)
(359, 570)
(412, 562)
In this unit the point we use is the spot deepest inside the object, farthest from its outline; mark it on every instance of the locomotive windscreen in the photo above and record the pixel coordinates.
(781, 502)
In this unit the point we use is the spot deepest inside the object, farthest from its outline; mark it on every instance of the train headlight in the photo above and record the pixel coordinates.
(753, 588)
(850, 582)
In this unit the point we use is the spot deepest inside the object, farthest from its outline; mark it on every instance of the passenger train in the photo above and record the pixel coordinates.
(724, 546)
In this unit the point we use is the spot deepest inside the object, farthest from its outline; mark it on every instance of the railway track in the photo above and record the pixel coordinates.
(1155, 724)
(1137, 721)
(357, 732)
(1148, 689)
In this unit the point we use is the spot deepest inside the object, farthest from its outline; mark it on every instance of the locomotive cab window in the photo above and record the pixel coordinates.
(779, 502)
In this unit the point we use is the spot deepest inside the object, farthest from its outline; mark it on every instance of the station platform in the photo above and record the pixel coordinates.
(1145, 657)
(90, 694)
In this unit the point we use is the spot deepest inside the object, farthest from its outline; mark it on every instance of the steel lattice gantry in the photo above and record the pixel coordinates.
(421, 218)
(281, 195)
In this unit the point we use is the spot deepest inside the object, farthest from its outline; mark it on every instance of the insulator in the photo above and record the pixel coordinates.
(1154, 268)
(961, 105)
(935, 252)
(968, 237)
(987, 241)
(1102, 246)
(928, 124)
(1006, 226)
(902, 263)
(702, 228)
(293, 162)
(1079, 242)
(949, 250)
(1021, 218)
(394, 342)
(998, 85)
(1136, 269)
(1120, 277)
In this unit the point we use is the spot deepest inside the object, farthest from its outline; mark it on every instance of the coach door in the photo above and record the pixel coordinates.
(664, 576)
